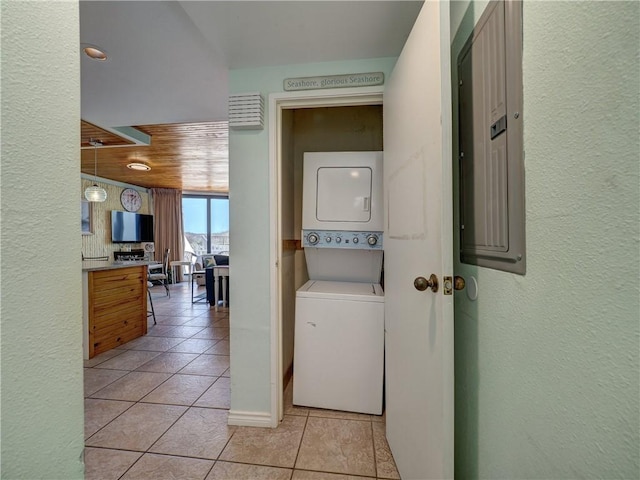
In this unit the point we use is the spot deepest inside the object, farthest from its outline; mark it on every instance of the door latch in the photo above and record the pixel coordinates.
(452, 283)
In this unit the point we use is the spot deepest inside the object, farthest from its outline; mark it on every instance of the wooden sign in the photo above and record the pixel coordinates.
(334, 81)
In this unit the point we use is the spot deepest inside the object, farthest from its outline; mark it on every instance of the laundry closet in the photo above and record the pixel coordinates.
(325, 129)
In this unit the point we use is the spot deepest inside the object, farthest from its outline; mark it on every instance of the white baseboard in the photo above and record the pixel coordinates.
(250, 419)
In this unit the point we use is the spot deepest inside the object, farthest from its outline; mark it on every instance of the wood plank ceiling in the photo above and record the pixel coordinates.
(192, 157)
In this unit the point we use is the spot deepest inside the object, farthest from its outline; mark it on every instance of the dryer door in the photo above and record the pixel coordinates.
(344, 194)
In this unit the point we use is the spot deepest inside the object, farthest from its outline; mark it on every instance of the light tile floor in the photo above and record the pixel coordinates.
(156, 408)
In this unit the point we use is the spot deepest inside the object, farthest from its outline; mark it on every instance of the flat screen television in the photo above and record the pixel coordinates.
(129, 227)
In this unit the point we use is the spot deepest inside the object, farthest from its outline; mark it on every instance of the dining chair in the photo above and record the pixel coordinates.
(153, 312)
(163, 277)
(181, 265)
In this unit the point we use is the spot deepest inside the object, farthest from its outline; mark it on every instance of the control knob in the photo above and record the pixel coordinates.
(372, 240)
(356, 239)
(313, 238)
(327, 239)
(338, 239)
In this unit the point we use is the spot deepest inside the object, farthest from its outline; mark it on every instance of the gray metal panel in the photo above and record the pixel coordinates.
(491, 163)
(467, 188)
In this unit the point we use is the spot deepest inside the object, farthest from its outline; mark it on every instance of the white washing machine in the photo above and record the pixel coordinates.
(339, 346)
(339, 323)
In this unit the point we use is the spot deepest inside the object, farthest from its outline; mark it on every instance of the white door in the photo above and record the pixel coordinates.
(418, 243)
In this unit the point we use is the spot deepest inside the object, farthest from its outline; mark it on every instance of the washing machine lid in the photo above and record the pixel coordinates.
(369, 292)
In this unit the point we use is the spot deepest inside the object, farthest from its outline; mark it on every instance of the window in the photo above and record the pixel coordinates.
(206, 224)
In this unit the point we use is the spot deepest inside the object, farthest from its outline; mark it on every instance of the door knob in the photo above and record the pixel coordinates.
(422, 283)
(458, 283)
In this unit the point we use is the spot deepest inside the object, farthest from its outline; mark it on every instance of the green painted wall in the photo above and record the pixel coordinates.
(546, 364)
(547, 368)
(41, 312)
(249, 231)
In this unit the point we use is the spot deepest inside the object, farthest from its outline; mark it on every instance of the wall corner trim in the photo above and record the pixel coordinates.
(251, 419)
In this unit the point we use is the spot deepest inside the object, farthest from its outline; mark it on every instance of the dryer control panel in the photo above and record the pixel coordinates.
(342, 239)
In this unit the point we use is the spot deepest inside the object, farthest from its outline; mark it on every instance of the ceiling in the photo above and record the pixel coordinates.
(166, 72)
(187, 156)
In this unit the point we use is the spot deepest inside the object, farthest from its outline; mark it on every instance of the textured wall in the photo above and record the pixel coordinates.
(547, 368)
(249, 225)
(99, 244)
(42, 396)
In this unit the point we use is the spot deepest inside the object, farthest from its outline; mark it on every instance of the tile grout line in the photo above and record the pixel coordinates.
(102, 427)
(147, 451)
(373, 445)
(191, 405)
(154, 442)
(304, 429)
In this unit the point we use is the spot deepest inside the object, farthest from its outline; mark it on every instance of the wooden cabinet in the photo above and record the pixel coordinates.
(117, 307)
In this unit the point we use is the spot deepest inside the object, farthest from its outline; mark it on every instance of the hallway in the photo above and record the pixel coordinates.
(157, 408)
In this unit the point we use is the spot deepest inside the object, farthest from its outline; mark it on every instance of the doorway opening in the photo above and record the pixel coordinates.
(331, 120)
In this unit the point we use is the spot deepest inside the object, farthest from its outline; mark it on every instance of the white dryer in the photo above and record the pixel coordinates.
(339, 324)
(342, 191)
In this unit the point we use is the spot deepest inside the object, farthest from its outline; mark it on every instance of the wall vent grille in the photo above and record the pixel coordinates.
(246, 111)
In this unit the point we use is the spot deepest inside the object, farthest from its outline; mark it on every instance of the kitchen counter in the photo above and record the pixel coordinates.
(94, 265)
(114, 304)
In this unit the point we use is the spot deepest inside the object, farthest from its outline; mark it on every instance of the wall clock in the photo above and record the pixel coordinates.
(131, 200)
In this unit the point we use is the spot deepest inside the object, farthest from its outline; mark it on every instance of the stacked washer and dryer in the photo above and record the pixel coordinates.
(339, 316)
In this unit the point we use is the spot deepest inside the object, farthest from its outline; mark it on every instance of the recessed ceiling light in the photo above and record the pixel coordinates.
(139, 166)
(95, 53)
